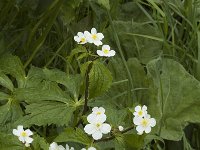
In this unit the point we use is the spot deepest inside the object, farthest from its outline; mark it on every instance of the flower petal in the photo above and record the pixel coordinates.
(93, 31)
(105, 47)
(97, 135)
(144, 108)
(100, 36)
(111, 53)
(28, 132)
(16, 132)
(105, 128)
(101, 109)
(80, 34)
(91, 118)
(152, 122)
(137, 108)
(28, 139)
(91, 148)
(100, 53)
(22, 139)
(98, 42)
(148, 129)
(95, 109)
(137, 120)
(90, 129)
(140, 129)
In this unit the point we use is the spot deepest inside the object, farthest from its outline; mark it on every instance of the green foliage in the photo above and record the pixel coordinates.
(100, 79)
(177, 95)
(73, 135)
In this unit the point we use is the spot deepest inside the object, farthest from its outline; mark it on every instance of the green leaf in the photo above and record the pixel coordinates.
(104, 3)
(72, 83)
(6, 82)
(46, 91)
(46, 113)
(13, 66)
(4, 96)
(39, 143)
(10, 142)
(100, 79)
(174, 100)
(74, 135)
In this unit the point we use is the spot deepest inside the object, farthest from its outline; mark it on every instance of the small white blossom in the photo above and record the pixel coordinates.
(55, 146)
(68, 148)
(23, 135)
(97, 128)
(80, 38)
(106, 51)
(140, 111)
(97, 114)
(121, 128)
(90, 148)
(144, 124)
(94, 37)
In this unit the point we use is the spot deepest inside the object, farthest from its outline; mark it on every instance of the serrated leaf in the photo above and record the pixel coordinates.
(39, 143)
(10, 142)
(72, 83)
(46, 113)
(100, 79)
(46, 91)
(6, 82)
(177, 92)
(13, 66)
(74, 135)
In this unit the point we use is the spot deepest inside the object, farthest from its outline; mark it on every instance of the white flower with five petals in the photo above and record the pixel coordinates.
(144, 124)
(106, 51)
(140, 111)
(98, 113)
(97, 128)
(80, 38)
(23, 135)
(94, 37)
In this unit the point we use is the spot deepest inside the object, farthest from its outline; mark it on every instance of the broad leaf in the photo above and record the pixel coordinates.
(177, 92)
(13, 66)
(46, 113)
(100, 79)
(72, 135)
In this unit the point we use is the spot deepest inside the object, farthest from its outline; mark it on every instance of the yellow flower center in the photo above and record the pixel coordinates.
(145, 122)
(99, 113)
(83, 40)
(98, 125)
(106, 51)
(24, 134)
(140, 113)
(94, 36)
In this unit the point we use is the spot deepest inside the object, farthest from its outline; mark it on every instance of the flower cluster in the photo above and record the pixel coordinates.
(96, 126)
(23, 135)
(95, 38)
(55, 146)
(143, 120)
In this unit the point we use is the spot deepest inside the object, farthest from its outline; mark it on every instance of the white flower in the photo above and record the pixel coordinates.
(55, 146)
(121, 128)
(97, 128)
(94, 37)
(144, 124)
(23, 135)
(140, 111)
(80, 38)
(97, 114)
(106, 51)
(67, 147)
(90, 148)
